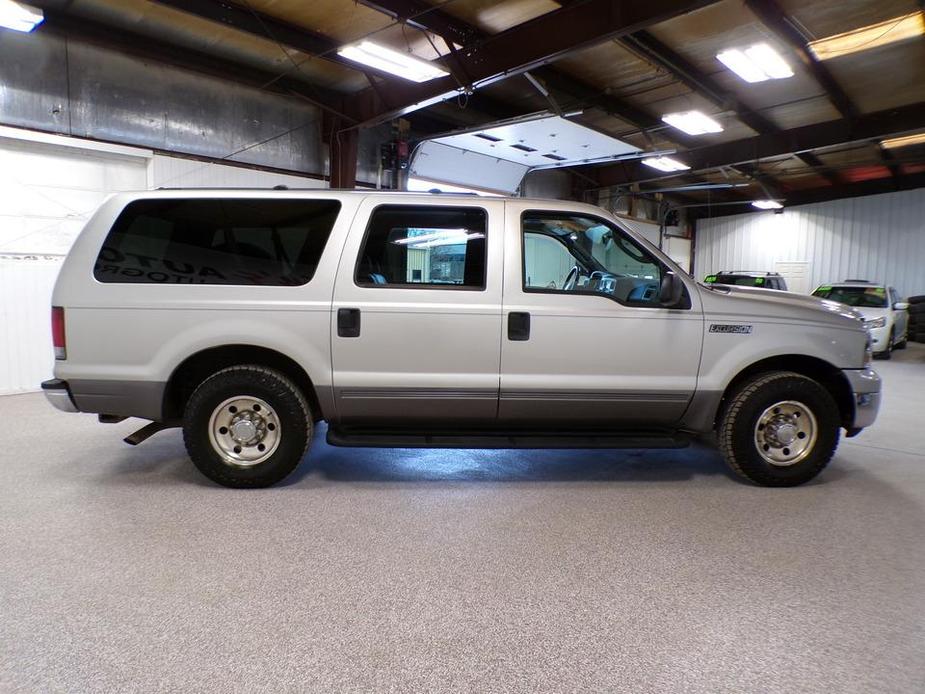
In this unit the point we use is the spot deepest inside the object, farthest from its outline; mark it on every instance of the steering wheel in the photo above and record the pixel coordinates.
(571, 279)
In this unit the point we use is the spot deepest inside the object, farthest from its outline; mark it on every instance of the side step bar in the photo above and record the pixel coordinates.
(405, 439)
(149, 430)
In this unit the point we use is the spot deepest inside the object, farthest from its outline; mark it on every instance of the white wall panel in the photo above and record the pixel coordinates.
(26, 355)
(878, 237)
(176, 172)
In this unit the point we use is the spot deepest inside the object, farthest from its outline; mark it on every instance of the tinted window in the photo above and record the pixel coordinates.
(236, 241)
(861, 297)
(434, 247)
(742, 280)
(569, 253)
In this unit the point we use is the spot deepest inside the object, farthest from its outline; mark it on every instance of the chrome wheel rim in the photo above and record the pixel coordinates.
(244, 431)
(786, 433)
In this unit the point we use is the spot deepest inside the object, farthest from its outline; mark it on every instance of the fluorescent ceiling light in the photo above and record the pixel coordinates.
(766, 204)
(897, 29)
(756, 63)
(19, 17)
(693, 122)
(665, 164)
(393, 62)
(905, 141)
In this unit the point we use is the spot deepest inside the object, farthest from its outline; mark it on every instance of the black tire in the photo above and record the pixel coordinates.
(902, 345)
(288, 406)
(920, 299)
(916, 309)
(737, 431)
(919, 337)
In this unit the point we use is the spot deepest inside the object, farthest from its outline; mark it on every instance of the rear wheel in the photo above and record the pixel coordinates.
(779, 429)
(247, 426)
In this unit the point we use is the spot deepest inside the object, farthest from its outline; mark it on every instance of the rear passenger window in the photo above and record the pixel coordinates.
(424, 246)
(217, 241)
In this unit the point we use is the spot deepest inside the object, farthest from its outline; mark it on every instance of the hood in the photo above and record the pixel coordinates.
(870, 313)
(751, 302)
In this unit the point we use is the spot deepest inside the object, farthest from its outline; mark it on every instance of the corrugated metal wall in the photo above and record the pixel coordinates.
(75, 88)
(878, 237)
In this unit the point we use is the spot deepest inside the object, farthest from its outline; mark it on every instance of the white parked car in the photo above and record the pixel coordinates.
(246, 317)
(886, 316)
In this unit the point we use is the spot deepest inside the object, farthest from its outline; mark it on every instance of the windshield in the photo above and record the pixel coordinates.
(859, 297)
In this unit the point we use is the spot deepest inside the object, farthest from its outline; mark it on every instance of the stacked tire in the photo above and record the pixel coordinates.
(917, 318)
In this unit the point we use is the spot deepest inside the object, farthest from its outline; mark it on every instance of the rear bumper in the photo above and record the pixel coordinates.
(865, 387)
(58, 393)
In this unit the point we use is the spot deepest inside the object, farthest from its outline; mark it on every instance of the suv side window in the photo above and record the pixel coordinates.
(424, 246)
(244, 241)
(565, 253)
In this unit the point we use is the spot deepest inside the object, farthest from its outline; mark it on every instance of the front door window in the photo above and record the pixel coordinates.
(566, 253)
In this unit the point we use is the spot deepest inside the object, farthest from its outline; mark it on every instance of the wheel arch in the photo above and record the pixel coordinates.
(826, 374)
(197, 367)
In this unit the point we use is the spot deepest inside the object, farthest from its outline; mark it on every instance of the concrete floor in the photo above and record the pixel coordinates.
(121, 569)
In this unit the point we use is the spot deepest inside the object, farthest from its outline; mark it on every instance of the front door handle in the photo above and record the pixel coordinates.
(518, 326)
(348, 322)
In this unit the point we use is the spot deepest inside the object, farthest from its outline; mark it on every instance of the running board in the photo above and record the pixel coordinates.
(361, 438)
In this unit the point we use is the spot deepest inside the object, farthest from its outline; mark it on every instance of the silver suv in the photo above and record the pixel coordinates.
(247, 317)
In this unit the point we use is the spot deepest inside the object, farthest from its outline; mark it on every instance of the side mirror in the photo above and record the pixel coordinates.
(671, 290)
(901, 305)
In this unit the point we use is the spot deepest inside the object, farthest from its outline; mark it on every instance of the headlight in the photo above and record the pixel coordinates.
(875, 323)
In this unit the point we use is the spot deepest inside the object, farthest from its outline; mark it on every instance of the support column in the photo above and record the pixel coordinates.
(342, 152)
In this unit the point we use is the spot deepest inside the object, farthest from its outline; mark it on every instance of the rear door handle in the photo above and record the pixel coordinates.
(518, 326)
(348, 322)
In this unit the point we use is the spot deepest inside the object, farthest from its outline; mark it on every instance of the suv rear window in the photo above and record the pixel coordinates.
(241, 241)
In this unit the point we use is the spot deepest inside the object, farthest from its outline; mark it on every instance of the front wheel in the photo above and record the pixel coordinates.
(779, 429)
(247, 427)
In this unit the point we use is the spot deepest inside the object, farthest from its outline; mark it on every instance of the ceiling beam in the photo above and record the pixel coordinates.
(774, 18)
(871, 126)
(658, 53)
(420, 15)
(528, 46)
(826, 193)
(424, 17)
(253, 22)
(654, 51)
(312, 43)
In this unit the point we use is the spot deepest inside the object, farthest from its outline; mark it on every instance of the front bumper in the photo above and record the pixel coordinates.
(865, 387)
(880, 339)
(59, 394)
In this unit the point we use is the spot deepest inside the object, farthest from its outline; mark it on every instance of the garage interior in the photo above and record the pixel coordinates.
(491, 570)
